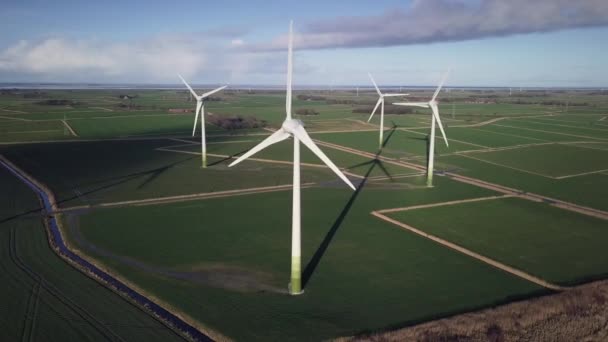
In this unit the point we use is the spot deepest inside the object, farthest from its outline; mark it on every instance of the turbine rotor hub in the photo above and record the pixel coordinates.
(290, 125)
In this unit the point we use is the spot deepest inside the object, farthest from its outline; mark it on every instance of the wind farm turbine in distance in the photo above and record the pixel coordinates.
(200, 108)
(435, 117)
(294, 128)
(380, 103)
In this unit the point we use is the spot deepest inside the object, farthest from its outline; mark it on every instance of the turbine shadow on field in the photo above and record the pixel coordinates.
(153, 174)
(316, 258)
(225, 159)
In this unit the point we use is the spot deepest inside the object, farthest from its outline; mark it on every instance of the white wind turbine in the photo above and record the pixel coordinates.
(294, 128)
(435, 117)
(200, 108)
(380, 102)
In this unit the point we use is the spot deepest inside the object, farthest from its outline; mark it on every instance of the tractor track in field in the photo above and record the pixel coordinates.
(519, 273)
(41, 283)
(191, 330)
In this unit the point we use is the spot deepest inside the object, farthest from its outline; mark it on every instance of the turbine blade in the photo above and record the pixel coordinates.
(445, 76)
(391, 95)
(289, 71)
(274, 138)
(187, 85)
(412, 104)
(374, 111)
(436, 114)
(199, 104)
(301, 134)
(375, 85)
(212, 92)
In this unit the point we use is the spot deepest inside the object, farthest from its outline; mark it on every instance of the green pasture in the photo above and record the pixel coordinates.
(369, 275)
(45, 299)
(553, 160)
(554, 244)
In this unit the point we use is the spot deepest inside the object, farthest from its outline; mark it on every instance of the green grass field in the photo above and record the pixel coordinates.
(545, 241)
(580, 160)
(225, 261)
(372, 276)
(45, 299)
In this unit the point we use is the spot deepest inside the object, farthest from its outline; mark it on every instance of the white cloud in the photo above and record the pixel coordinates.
(428, 21)
(157, 59)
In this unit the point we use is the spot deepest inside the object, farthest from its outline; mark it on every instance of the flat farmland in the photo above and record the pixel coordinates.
(551, 243)
(580, 160)
(234, 281)
(44, 298)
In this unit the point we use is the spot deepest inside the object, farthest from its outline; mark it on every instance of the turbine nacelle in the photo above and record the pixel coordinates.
(291, 125)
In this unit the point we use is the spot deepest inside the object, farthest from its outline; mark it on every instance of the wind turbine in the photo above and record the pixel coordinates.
(200, 108)
(380, 102)
(434, 118)
(294, 128)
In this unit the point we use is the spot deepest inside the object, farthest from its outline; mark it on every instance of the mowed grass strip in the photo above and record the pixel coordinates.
(551, 243)
(370, 276)
(588, 190)
(549, 160)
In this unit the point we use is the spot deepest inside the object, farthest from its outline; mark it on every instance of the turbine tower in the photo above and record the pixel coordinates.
(200, 108)
(380, 102)
(434, 118)
(294, 128)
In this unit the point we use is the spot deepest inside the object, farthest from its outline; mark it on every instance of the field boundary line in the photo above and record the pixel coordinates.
(439, 138)
(102, 108)
(13, 111)
(470, 253)
(511, 135)
(560, 125)
(16, 119)
(447, 203)
(40, 131)
(552, 132)
(184, 198)
(581, 174)
(508, 167)
(579, 143)
(486, 185)
(67, 125)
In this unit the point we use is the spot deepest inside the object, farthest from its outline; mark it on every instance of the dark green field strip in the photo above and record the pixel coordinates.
(585, 127)
(554, 244)
(44, 298)
(581, 133)
(576, 121)
(493, 109)
(555, 160)
(589, 190)
(371, 276)
(96, 172)
(505, 127)
(400, 144)
(485, 138)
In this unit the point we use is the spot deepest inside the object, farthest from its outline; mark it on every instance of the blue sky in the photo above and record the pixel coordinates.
(515, 43)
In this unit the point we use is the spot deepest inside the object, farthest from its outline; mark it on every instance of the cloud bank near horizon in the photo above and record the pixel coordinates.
(433, 21)
(228, 55)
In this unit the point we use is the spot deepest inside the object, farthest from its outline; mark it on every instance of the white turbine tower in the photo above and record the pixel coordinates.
(294, 128)
(380, 102)
(200, 108)
(434, 118)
